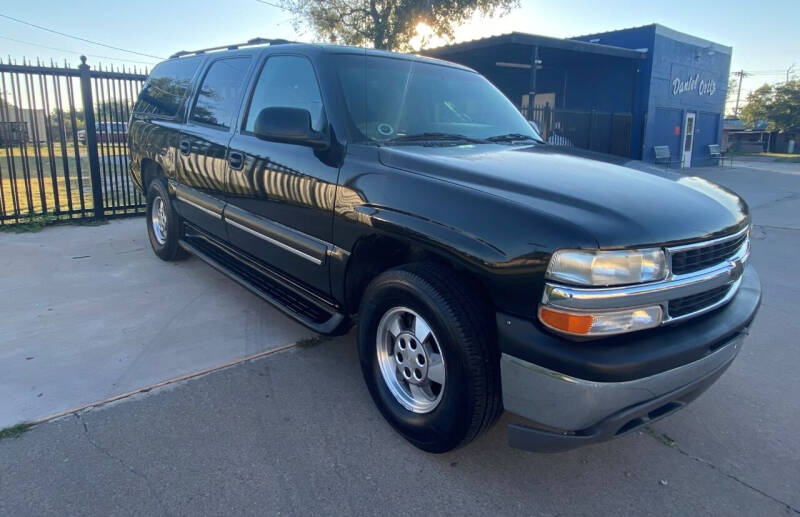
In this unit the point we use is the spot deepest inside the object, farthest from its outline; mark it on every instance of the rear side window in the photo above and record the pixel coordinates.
(220, 94)
(286, 82)
(166, 87)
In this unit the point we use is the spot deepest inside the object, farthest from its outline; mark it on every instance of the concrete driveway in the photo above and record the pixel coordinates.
(295, 431)
(89, 312)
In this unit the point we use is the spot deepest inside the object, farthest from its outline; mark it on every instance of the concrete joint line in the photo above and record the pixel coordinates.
(773, 227)
(150, 387)
(788, 197)
(119, 460)
(669, 442)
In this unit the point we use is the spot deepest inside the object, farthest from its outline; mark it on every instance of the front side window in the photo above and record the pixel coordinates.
(166, 87)
(390, 98)
(220, 93)
(286, 82)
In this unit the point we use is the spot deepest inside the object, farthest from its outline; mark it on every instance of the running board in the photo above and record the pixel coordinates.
(294, 301)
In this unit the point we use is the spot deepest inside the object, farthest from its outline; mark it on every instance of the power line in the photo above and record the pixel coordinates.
(763, 72)
(78, 37)
(272, 4)
(76, 52)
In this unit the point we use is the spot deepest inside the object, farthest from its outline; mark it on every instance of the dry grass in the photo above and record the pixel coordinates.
(43, 150)
(34, 189)
(43, 185)
(15, 431)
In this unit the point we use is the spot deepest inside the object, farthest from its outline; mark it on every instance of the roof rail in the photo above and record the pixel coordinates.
(249, 43)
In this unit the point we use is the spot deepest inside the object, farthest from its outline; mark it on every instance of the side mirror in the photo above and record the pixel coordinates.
(290, 126)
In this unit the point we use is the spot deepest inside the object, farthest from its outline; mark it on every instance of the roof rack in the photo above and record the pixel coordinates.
(249, 43)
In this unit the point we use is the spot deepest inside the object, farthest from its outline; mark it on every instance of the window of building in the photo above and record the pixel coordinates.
(287, 82)
(220, 93)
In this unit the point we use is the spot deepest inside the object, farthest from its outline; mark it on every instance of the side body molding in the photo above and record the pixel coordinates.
(299, 243)
(296, 242)
(203, 202)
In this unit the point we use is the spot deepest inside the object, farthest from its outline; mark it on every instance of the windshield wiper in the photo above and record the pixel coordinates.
(513, 137)
(434, 137)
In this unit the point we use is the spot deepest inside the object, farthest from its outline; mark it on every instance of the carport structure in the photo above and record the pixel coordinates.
(583, 93)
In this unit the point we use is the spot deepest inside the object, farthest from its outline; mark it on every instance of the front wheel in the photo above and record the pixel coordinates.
(428, 356)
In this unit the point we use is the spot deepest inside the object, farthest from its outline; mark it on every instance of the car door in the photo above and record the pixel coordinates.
(280, 196)
(203, 143)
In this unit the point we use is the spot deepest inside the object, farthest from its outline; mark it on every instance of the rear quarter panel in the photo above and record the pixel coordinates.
(155, 140)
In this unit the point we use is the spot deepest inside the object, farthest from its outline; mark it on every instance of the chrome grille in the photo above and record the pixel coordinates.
(704, 276)
(694, 258)
(689, 304)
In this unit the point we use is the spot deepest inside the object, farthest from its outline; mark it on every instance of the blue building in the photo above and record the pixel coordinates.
(622, 92)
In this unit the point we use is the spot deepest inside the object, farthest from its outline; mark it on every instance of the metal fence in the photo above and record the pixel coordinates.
(63, 142)
(604, 132)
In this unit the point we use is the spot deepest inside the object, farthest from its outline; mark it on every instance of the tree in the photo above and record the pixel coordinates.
(757, 106)
(785, 107)
(4, 104)
(778, 104)
(388, 24)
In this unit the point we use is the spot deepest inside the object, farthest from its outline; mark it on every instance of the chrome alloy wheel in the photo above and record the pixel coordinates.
(158, 217)
(411, 360)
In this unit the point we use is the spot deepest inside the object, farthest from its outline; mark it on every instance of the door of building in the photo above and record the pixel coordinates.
(688, 140)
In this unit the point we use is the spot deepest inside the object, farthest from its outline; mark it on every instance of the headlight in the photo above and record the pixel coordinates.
(605, 268)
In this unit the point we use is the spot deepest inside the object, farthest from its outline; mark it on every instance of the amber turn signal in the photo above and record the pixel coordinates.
(566, 321)
(600, 323)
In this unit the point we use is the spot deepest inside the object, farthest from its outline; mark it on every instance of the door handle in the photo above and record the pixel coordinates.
(235, 160)
(185, 147)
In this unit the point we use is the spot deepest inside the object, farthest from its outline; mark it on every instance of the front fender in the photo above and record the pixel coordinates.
(505, 244)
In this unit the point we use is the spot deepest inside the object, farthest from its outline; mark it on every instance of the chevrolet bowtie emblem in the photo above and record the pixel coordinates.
(737, 269)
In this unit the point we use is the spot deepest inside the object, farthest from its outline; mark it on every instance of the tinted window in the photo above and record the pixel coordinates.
(286, 82)
(166, 87)
(388, 98)
(220, 94)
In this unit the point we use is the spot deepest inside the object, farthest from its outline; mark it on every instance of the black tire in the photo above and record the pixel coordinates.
(463, 324)
(169, 249)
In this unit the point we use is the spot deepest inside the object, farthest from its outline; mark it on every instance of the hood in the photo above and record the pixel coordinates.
(618, 205)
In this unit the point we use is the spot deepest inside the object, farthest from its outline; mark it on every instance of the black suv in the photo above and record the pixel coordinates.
(486, 269)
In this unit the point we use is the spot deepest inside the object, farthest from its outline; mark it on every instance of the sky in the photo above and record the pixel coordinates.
(764, 38)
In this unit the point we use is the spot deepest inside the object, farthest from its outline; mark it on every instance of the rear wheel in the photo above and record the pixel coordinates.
(428, 356)
(163, 223)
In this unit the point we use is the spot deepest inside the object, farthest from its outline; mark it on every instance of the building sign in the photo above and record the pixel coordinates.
(693, 83)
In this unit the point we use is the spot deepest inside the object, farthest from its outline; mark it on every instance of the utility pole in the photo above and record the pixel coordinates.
(741, 75)
(788, 71)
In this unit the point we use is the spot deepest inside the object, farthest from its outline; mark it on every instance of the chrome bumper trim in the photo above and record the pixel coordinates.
(568, 403)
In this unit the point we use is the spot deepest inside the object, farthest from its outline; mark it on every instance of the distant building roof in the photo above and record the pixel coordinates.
(669, 33)
(522, 38)
(737, 124)
(733, 124)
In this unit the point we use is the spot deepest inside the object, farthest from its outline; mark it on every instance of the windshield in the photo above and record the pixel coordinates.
(390, 100)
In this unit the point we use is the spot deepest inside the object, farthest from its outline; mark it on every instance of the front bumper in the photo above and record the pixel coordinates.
(598, 390)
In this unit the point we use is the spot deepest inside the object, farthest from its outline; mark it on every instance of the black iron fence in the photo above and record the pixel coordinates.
(63, 142)
(594, 130)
